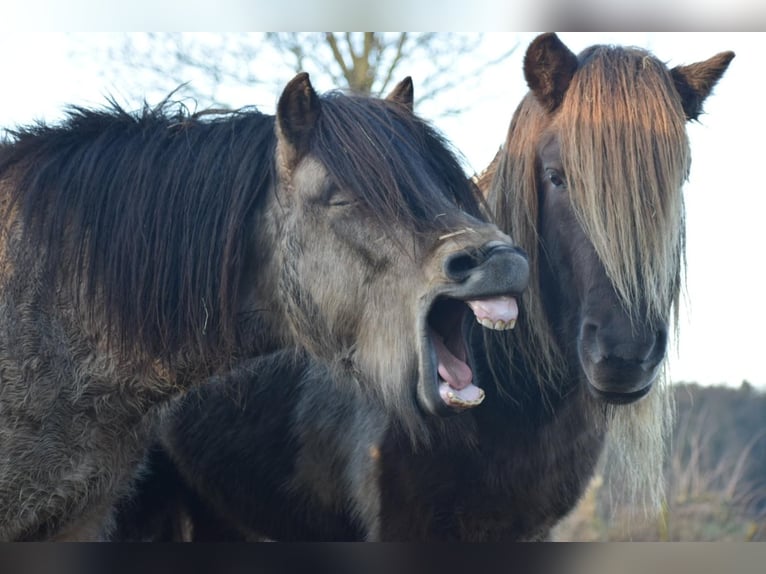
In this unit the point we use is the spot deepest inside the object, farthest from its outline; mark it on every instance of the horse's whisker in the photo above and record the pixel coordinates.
(456, 233)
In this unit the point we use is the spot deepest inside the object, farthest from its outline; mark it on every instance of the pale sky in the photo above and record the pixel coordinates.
(720, 332)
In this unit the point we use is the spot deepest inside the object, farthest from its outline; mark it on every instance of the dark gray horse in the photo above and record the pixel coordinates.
(142, 252)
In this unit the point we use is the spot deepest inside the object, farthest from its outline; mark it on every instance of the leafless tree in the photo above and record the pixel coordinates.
(208, 65)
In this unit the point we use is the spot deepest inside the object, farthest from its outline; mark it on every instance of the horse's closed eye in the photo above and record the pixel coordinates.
(336, 197)
(340, 202)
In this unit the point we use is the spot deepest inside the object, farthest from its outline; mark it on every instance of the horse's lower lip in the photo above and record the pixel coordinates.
(620, 398)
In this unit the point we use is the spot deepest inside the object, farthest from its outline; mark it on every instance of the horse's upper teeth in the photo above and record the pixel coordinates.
(498, 325)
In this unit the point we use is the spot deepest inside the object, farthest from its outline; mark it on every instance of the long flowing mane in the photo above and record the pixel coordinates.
(150, 211)
(620, 104)
(623, 104)
(620, 128)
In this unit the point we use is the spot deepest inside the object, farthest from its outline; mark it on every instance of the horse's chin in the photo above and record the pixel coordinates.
(619, 386)
(617, 397)
(617, 381)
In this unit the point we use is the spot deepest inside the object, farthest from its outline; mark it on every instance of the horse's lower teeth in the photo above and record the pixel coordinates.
(498, 325)
(459, 402)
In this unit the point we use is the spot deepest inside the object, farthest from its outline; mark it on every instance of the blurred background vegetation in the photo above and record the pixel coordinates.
(715, 471)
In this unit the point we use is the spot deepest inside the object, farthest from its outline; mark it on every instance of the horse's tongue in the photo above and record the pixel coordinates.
(451, 369)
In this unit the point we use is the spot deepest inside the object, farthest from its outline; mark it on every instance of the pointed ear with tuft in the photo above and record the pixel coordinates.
(695, 82)
(548, 68)
(297, 114)
(403, 94)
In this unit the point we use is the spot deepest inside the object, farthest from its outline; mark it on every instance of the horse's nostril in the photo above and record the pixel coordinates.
(590, 329)
(589, 335)
(458, 266)
(607, 343)
(660, 346)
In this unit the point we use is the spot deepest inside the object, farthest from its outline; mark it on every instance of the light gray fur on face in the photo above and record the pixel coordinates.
(358, 289)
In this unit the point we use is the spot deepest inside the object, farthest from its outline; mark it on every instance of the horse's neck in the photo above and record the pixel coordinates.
(512, 387)
(522, 413)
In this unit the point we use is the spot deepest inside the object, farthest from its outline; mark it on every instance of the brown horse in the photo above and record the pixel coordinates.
(141, 252)
(590, 183)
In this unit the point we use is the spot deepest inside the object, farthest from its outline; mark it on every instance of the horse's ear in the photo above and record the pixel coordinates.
(403, 94)
(695, 81)
(297, 114)
(548, 68)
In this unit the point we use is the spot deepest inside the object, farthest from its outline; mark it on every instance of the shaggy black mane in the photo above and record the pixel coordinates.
(151, 212)
(152, 207)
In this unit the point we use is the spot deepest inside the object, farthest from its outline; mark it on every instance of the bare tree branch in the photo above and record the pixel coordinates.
(333, 43)
(365, 62)
(395, 61)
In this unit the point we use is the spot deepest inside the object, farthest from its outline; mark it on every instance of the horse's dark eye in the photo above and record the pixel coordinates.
(555, 178)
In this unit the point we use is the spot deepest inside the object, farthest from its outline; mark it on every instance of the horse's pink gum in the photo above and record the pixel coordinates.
(496, 309)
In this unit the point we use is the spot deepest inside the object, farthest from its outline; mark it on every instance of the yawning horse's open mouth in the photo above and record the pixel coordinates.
(446, 337)
(484, 282)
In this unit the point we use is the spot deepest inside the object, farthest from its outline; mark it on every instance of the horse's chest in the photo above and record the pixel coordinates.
(520, 491)
(514, 487)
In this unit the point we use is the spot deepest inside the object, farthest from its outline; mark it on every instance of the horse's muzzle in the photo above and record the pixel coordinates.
(491, 270)
(483, 282)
